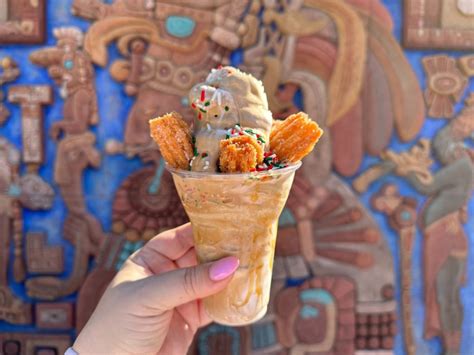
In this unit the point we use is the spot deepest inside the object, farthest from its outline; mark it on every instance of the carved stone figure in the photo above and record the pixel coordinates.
(166, 54)
(12, 308)
(72, 70)
(402, 217)
(445, 242)
(444, 213)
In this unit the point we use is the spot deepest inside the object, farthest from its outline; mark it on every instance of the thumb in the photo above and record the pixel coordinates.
(171, 289)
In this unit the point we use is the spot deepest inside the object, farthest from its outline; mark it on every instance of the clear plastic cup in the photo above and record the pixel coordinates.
(236, 214)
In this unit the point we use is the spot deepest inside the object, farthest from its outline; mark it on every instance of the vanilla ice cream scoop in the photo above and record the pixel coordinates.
(227, 98)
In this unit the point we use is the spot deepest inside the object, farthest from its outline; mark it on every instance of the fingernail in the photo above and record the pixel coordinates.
(223, 268)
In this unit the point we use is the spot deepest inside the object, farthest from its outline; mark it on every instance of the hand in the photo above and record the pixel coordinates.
(153, 306)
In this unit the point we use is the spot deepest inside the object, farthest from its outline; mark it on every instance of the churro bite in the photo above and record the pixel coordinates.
(233, 131)
(240, 154)
(295, 137)
(173, 136)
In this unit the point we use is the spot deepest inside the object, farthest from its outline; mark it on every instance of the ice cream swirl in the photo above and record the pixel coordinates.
(227, 98)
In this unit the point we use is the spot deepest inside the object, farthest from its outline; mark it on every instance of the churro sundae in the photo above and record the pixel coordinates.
(233, 171)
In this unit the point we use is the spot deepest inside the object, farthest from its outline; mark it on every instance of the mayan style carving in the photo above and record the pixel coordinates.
(12, 309)
(34, 344)
(163, 60)
(41, 258)
(401, 212)
(36, 194)
(217, 339)
(445, 242)
(9, 72)
(54, 315)
(22, 21)
(72, 71)
(144, 206)
(165, 55)
(445, 85)
(333, 227)
(317, 317)
(466, 63)
(319, 48)
(31, 99)
(441, 24)
(17, 191)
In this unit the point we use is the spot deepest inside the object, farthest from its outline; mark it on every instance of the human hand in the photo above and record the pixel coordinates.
(153, 305)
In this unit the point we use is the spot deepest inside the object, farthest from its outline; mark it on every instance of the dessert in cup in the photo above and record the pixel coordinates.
(233, 171)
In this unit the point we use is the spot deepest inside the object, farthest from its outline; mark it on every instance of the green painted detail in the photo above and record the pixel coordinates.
(180, 26)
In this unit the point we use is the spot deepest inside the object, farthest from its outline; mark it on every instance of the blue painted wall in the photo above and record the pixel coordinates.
(101, 184)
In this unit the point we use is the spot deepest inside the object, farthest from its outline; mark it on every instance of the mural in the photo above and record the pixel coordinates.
(373, 248)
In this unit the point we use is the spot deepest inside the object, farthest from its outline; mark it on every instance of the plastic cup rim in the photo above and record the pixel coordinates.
(256, 174)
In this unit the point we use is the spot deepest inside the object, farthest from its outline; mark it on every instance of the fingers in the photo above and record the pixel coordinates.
(159, 254)
(187, 260)
(174, 288)
(173, 243)
(178, 344)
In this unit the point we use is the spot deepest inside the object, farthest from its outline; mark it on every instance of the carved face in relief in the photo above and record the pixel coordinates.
(67, 64)
(178, 54)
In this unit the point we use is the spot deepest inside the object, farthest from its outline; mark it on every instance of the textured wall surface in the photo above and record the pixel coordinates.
(100, 184)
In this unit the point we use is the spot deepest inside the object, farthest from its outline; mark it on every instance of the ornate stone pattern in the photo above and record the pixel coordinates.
(445, 85)
(22, 21)
(428, 24)
(466, 63)
(54, 315)
(139, 212)
(443, 214)
(33, 344)
(31, 98)
(402, 215)
(376, 331)
(318, 316)
(41, 258)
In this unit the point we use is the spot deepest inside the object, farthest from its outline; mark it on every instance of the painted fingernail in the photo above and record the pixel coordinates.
(223, 268)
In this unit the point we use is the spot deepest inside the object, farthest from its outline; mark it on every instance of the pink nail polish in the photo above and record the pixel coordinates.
(223, 268)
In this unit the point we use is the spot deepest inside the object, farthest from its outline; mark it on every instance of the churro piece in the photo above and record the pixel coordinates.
(240, 154)
(173, 136)
(275, 124)
(295, 137)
